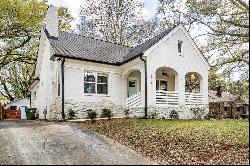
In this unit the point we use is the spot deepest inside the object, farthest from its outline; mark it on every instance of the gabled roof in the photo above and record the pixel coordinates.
(225, 96)
(84, 48)
(70, 45)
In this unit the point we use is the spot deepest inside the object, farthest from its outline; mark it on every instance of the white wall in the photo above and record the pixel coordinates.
(117, 81)
(19, 103)
(165, 54)
(74, 82)
(45, 70)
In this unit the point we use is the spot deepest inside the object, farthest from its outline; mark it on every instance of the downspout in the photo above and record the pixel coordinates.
(146, 87)
(62, 73)
(30, 99)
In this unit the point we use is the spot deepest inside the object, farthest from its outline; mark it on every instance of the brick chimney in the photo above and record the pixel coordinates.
(219, 91)
(52, 21)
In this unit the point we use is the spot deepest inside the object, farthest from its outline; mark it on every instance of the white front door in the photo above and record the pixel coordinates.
(132, 87)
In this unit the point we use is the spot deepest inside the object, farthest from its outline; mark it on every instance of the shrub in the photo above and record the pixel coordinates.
(174, 114)
(153, 114)
(210, 115)
(107, 113)
(126, 112)
(92, 115)
(71, 113)
(197, 112)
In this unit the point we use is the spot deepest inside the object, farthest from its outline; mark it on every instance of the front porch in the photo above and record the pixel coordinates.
(168, 90)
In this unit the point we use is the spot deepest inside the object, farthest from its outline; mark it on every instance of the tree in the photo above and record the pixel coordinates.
(85, 27)
(15, 80)
(20, 25)
(227, 24)
(112, 18)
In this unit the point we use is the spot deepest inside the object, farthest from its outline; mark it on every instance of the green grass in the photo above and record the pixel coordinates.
(182, 141)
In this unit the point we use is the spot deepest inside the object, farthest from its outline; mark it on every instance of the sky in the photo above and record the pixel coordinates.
(74, 7)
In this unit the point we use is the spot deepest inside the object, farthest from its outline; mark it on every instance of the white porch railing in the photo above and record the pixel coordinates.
(134, 101)
(193, 98)
(164, 98)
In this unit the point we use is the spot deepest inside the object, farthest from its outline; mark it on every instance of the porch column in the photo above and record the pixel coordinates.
(181, 89)
(124, 90)
(204, 90)
(151, 88)
(142, 87)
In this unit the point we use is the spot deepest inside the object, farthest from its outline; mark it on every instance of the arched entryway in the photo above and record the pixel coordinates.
(193, 82)
(133, 83)
(166, 86)
(166, 79)
(133, 89)
(193, 89)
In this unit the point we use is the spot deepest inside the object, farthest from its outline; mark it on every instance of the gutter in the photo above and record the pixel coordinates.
(62, 73)
(146, 87)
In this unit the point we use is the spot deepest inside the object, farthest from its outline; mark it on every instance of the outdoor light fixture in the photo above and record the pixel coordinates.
(193, 77)
(164, 74)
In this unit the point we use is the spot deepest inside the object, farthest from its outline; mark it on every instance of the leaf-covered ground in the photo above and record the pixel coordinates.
(181, 141)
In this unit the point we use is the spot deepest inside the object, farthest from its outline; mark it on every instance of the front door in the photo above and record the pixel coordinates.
(132, 87)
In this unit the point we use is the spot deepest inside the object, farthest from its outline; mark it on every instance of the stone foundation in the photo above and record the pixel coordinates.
(136, 112)
(183, 111)
(80, 109)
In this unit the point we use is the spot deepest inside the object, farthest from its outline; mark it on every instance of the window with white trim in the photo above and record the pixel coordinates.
(102, 83)
(34, 94)
(180, 46)
(95, 82)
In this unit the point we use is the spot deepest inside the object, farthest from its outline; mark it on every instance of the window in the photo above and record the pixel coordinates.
(89, 82)
(34, 93)
(58, 83)
(95, 82)
(161, 85)
(180, 46)
(102, 83)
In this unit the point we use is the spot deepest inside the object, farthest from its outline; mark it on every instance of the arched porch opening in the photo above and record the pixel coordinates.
(133, 89)
(166, 79)
(193, 82)
(193, 89)
(166, 87)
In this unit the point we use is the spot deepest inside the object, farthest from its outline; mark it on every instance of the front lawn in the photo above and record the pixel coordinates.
(181, 141)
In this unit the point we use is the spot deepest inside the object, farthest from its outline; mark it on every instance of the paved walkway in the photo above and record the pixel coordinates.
(43, 143)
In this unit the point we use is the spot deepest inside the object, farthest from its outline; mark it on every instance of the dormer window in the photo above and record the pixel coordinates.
(180, 46)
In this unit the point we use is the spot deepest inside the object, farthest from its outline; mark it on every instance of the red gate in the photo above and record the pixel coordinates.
(13, 114)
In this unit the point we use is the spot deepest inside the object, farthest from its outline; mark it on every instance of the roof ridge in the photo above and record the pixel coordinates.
(95, 39)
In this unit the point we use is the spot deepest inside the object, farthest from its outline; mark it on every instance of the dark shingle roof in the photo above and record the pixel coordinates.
(146, 45)
(84, 48)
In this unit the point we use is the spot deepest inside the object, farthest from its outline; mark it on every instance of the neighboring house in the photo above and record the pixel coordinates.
(18, 103)
(167, 72)
(226, 105)
(18, 108)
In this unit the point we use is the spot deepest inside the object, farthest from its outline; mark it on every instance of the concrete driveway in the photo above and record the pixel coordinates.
(43, 143)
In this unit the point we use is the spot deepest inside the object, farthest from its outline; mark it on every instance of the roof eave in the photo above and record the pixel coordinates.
(87, 60)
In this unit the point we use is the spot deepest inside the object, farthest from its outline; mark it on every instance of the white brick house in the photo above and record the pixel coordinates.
(167, 72)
